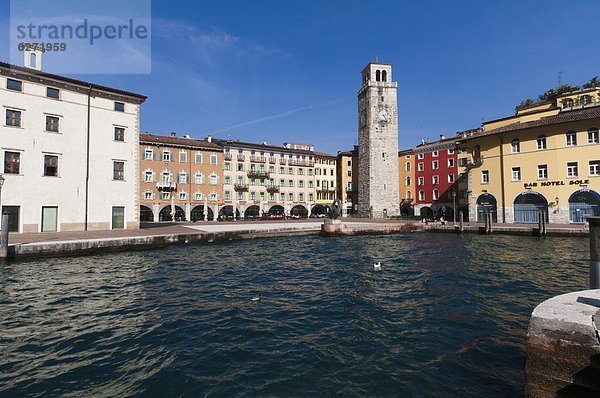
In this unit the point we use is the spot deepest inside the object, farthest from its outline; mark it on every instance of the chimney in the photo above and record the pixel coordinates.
(173, 134)
(209, 138)
(442, 137)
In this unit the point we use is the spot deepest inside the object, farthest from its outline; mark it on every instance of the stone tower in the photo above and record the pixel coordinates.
(378, 143)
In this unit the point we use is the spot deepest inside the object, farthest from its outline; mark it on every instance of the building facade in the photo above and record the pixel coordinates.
(546, 158)
(261, 179)
(378, 143)
(406, 182)
(325, 180)
(345, 177)
(180, 178)
(436, 177)
(70, 151)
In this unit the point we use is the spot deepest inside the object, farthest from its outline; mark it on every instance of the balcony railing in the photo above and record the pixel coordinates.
(258, 174)
(295, 162)
(282, 161)
(240, 187)
(475, 162)
(257, 159)
(227, 156)
(241, 158)
(273, 188)
(166, 186)
(272, 160)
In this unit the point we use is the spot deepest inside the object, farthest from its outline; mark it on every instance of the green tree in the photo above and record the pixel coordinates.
(551, 94)
(594, 82)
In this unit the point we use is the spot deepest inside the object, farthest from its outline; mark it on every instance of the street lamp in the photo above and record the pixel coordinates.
(453, 194)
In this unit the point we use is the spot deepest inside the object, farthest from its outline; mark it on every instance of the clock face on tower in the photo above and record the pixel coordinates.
(383, 117)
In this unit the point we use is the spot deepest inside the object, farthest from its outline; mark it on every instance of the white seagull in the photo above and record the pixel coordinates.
(377, 266)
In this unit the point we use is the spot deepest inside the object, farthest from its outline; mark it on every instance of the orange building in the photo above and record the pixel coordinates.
(181, 173)
(406, 181)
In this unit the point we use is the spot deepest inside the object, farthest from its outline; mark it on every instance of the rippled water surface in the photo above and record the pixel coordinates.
(447, 316)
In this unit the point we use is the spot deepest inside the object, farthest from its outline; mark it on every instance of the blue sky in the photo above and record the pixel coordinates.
(289, 70)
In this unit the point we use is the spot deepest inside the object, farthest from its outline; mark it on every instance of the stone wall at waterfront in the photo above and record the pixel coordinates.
(563, 347)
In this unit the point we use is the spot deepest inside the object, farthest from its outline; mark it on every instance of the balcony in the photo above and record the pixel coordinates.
(475, 162)
(307, 163)
(258, 174)
(282, 161)
(241, 158)
(272, 160)
(240, 187)
(227, 156)
(272, 188)
(165, 186)
(258, 159)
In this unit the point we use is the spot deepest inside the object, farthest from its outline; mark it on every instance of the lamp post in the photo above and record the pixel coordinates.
(453, 194)
(1, 184)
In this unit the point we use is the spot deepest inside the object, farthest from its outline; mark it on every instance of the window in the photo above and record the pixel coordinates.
(451, 151)
(349, 173)
(165, 195)
(515, 146)
(14, 85)
(541, 142)
(291, 183)
(119, 134)
(311, 184)
(198, 196)
(436, 194)
(311, 197)
(290, 170)
(516, 174)
(301, 184)
(421, 195)
(148, 176)
(227, 166)
(213, 159)
(13, 118)
(182, 157)
(450, 178)
(485, 176)
(51, 165)
(12, 162)
(435, 180)
(301, 197)
(310, 172)
(182, 178)
(214, 179)
(148, 154)
(592, 136)
(148, 195)
(572, 169)
(462, 162)
(594, 167)
(119, 171)
(198, 158)
(421, 180)
(450, 162)
(407, 166)
(166, 156)
(349, 163)
(52, 124)
(52, 93)
(300, 172)
(434, 164)
(420, 156)
(227, 195)
(182, 195)
(435, 154)
(421, 166)
(290, 197)
(240, 166)
(240, 195)
(542, 172)
(227, 180)
(119, 106)
(571, 138)
(407, 181)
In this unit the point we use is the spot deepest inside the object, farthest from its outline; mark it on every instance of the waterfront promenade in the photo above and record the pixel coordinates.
(152, 235)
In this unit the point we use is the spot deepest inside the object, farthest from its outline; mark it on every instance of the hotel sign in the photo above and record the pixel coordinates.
(555, 183)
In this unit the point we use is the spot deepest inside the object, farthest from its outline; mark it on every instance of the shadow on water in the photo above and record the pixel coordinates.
(446, 316)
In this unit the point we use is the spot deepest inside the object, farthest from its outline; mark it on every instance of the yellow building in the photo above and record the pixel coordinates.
(545, 157)
(325, 179)
(344, 181)
(406, 181)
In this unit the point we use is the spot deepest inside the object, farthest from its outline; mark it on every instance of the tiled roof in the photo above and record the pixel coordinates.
(177, 141)
(562, 117)
(39, 74)
(345, 153)
(325, 155)
(260, 147)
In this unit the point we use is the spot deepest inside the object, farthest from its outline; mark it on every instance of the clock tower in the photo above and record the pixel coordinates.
(378, 194)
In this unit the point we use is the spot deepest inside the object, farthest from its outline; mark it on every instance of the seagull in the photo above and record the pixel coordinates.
(255, 299)
(377, 266)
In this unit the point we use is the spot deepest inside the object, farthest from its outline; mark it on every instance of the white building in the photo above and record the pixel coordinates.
(70, 152)
(261, 178)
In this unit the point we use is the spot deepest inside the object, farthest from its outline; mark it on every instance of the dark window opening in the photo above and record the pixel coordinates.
(52, 93)
(14, 85)
(50, 165)
(119, 106)
(12, 162)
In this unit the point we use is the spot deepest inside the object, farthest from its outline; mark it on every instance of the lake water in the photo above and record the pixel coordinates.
(446, 316)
